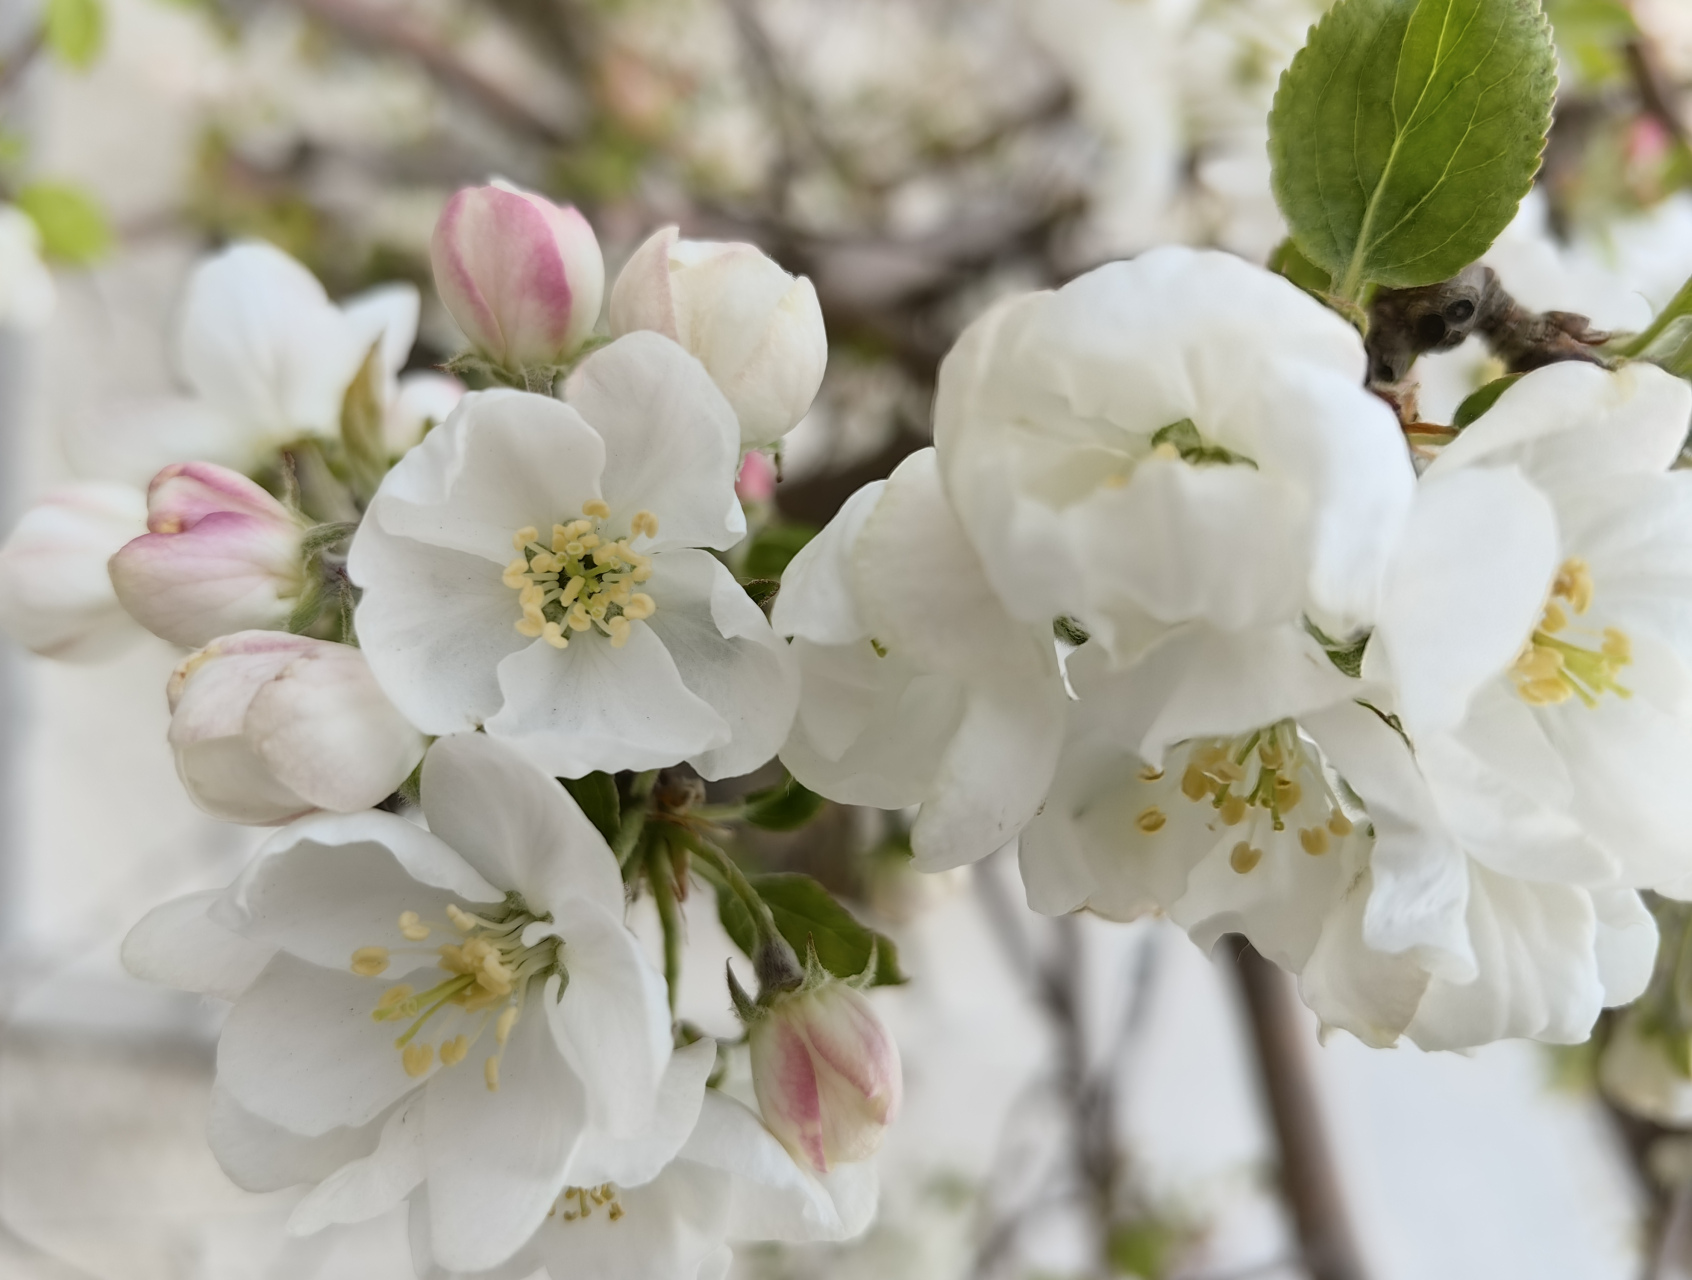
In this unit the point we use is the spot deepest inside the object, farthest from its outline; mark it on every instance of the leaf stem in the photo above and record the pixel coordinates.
(660, 874)
(1678, 306)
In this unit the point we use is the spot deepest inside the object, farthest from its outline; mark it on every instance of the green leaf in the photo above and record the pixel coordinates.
(1406, 132)
(597, 795)
(1287, 261)
(787, 806)
(774, 546)
(361, 424)
(75, 30)
(73, 227)
(1678, 306)
(1478, 402)
(762, 591)
(806, 913)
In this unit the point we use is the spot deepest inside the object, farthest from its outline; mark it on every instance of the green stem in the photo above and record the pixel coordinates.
(660, 872)
(1678, 306)
(634, 815)
(775, 961)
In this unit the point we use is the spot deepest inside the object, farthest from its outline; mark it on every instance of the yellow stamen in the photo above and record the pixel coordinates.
(453, 1051)
(412, 926)
(1314, 840)
(490, 1074)
(368, 962)
(1244, 857)
(1339, 824)
(417, 1058)
(1151, 820)
(597, 508)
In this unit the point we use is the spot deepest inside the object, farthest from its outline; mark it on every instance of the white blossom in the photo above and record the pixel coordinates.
(916, 686)
(612, 640)
(491, 945)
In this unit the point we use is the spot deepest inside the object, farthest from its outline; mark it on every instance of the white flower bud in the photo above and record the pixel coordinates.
(267, 726)
(826, 1074)
(56, 598)
(757, 330)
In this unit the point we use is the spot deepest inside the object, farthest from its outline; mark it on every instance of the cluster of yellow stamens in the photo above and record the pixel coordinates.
(1255, 779)
(579, 579)
(586, 1200)
(1550, 669)
(490, 969)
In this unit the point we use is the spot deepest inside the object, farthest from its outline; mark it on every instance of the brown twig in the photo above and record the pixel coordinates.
(387, 26)
(1310, 1181)
(13, 67)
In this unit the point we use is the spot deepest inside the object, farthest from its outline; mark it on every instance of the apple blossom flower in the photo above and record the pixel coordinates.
(1534, 629)
(220, 555)
(660, 1208)
(826, 1073)
(27, 295)
(267, 358)
(268, 726)
(445, 1013)
(534, 568)
(523, 277)
(916, 686)
(757, 330)
(1175, 450)
(56, 598)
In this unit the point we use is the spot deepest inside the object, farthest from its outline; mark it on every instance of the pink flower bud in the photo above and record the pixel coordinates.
(757, 330)
(222, 555)
(757, 480)
(55, 596)
(522, 276)
(826, 1074)
(267, 726)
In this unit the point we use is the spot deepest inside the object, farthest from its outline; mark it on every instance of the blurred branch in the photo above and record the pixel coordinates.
(1656, 95)
(12, 69)
(388, 27)
(1310, 1182)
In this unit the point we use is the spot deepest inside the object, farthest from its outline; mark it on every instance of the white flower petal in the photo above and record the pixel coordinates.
(1626, 944)
(260, 1156)
(374, 1183)
(591, 707)
(497, 1158)
(177, 945)
(301, 1050)
(816, 602)
(727, 655)
(613, 1022)
(518, 827)
(669, 1228)
(635, 1161)
(1350, 985)
(672, 443)
(387, 314)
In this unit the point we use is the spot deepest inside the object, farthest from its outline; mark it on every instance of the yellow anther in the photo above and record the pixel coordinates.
(1618, 648)
(1150, 774)
(554, 635)
(619, 629)
(417, 1058)
(598, 508)
(412, 926)
(641, 572)
(490, 1074)
(1287, 793)
(577, 619)
(393, 995)
(524, 536)
(640, 606)
(572, 589)
(1339, 824)
(1166, 451)
(1553, 619)
(461, 920)
(575, 547)
(1234, 810)
(453, 1051)
(516, 575)
(368, 962)
(1269, 751)
(1194, 785)
(1151, 820)
(644, 522)
(528, 627)
(1574, 584)
(1244, 857)
(616, 1211)
(589, 541)
(1314, 840)
(502, 1028)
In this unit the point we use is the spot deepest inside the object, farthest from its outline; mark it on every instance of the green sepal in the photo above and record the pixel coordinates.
(1478, 402)
(787, 806)
(596, 793)
(809, 918)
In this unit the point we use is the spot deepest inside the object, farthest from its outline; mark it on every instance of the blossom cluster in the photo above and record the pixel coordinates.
(1171, 607)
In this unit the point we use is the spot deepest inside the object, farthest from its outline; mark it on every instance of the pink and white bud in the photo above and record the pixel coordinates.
(757, 330)
(221, 555)
(755, 485)
(267, 726)
(826, 1074)
(56, 598)
(523, 277)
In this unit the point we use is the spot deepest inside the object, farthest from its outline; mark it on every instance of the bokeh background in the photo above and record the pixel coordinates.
(1084, 1099)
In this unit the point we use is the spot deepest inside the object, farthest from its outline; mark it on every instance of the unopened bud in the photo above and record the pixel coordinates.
(826, 1074)
(523, 277)
(757, 330)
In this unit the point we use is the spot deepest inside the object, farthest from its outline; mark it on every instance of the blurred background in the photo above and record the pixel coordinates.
(1083, 1099)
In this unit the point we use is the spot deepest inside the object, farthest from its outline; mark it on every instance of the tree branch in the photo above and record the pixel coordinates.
(1310, 1181)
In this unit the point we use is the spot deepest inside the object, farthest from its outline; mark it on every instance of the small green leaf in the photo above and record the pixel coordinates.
(787, 806)
(597, 795)
(361, 424)
(1478, 402)
(774, 546)
(1678, 307)
(75, 30)
(762, 591)
(1406, 132)
(73, 227)
(806, 914)
(1287, 261)
(1346, 655)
